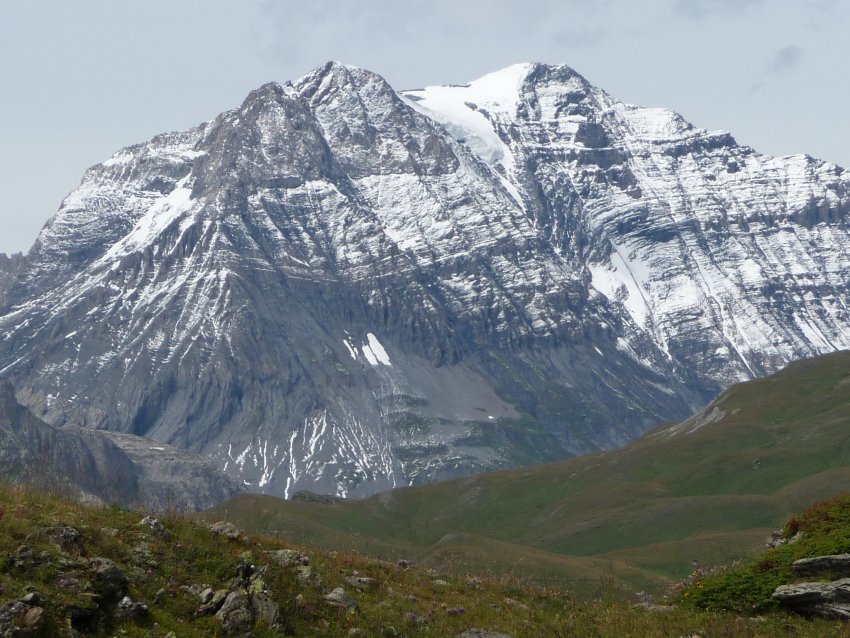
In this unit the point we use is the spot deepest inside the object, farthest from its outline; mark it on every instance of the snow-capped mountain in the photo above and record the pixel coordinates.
(344, 288)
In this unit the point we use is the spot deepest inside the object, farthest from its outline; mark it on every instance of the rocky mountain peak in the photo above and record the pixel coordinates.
(342, 288)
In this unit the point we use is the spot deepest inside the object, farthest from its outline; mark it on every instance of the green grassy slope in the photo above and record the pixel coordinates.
(49, 587)
(643, 512)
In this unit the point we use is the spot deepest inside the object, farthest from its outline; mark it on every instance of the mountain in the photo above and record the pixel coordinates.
(343, 288)
(711, 488)
(104, 467)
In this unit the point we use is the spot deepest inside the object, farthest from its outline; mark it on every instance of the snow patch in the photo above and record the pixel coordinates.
(376, 350)
(622, 280)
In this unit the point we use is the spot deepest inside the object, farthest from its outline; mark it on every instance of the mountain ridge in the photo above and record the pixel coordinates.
(327, 288)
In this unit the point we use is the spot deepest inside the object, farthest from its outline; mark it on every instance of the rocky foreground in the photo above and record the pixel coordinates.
(73, 570)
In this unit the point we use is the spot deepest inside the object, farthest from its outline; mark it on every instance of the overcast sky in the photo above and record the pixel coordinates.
(82, 78)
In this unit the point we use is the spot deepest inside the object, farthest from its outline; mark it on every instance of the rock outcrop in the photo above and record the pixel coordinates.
(104, 467)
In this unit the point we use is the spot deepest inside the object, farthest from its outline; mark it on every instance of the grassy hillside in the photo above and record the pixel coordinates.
(822, 530)
(709, 489)
(65, 568)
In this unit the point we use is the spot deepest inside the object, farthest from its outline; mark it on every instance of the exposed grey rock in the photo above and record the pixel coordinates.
(834, 565)
(19, 619)
(103, 467)
(361, 583)
(154, 525)
(830, 600)
(340, 598)
(289, 557)
(235, 615)
(214, 603)
(131, 610)
(266, 611)
(32, 599)
(66, 538)
(307, 577)
(226, 529)
(108, 581)
(481, 633)
(334, 262)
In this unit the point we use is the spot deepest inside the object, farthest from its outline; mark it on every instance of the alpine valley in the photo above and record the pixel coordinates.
(344, 288)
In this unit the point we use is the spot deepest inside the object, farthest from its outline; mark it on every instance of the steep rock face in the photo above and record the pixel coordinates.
(732, 262)
(340, 288)
(104, 467)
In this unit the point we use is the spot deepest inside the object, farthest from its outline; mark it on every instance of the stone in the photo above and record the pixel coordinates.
(226, 529)
(474, 632)
(235, 615)
(439, 582)
(828, 600)
(65, 538)
(307, 577)
(153, 524)
(17, 619)
(206, 596)
(23, 557)
(361, 583)
(129, 609)
(289, 557)
(510, 602)
(33, 620)
(256, 585)
(834, 564)
(266, 611)
(108, 580)
(214, 604)
(340, 598)
(31, 599)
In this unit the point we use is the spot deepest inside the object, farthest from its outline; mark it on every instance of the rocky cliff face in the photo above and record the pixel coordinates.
(104, 467)
(342, 288)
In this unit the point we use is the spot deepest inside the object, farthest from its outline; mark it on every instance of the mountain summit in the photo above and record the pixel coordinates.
(343, 288)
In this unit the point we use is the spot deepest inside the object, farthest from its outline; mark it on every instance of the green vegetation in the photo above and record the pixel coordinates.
(822, 530)
(167, 566)
(640, 514)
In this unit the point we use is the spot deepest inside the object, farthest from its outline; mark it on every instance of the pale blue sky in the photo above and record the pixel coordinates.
(82, 78)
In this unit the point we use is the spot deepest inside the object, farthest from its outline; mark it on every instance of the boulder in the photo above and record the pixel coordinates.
(65, 538)
(835, 565)
(829, 600)
(226, 529)
(307, 577)
(340, 598)
(214, 603)
(108, 580)
(128, 609)
(154, 525)
(18, 619)
(266, 611)
(289, 557)
(235, 615)
(361, 583)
